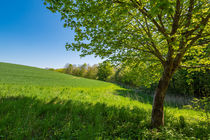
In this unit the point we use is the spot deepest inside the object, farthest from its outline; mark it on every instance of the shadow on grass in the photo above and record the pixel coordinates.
(135, 95)
(27, 118)
(139, 95)
(32, 118)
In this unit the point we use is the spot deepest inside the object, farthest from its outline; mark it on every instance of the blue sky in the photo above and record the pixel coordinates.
(31, 35)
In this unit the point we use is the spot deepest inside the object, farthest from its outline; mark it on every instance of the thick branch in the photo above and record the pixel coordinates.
(182, 49)
(160, 19)
(155, 51)
(145, 13)
(176, 18)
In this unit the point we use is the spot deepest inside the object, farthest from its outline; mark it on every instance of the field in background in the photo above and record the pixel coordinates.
(37, 103)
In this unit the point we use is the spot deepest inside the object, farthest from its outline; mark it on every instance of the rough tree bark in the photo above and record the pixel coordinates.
(157, 119)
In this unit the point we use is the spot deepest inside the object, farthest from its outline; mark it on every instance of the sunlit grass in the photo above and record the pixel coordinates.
(70, 108)
(24, 75)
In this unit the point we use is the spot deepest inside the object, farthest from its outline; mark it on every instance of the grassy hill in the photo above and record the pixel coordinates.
(25, 75)
(41, 104)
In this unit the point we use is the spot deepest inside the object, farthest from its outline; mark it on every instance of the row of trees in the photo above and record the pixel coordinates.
(84, 70)
(184, 81)
(102, 71)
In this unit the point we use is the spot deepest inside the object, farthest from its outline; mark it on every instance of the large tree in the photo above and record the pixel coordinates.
(160, 33)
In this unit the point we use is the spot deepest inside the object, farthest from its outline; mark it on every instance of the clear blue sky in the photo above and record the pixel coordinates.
(31, 35)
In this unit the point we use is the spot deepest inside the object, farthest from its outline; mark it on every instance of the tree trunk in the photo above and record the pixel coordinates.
(158, 101)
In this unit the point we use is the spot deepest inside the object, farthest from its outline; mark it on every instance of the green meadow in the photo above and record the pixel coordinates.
(41, 104)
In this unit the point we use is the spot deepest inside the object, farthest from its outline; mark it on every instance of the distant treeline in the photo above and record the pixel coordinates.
(195, 84)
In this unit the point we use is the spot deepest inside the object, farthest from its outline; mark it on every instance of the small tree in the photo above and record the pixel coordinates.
(105, 71)
(69, 69)
(83, 70)
(76, 70)
(92, 72)
(156, 32)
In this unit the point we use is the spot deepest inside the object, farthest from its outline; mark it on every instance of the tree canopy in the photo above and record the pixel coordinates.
(125, 29)
(162, 34)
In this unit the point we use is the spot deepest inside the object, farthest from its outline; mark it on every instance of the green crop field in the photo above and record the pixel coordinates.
(41, 104)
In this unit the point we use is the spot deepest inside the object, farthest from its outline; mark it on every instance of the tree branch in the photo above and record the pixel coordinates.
(155, 51)
(176, 18)
(145, 13)
(189, 14)
(160, 19)
(183, 49)
(203, 22)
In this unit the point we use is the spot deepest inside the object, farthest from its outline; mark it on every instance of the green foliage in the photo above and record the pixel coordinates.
(138, 74)
(84, 70)
(164, 34)
(34, 106)
(105, 71)
(185, 82)
(182, 122)
(69, 69)
(149, 33)
(202, 104)
(190, 83)
(60, 70)
(92, 72)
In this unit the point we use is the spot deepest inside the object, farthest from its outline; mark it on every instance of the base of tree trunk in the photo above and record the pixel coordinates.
(157, 111)
(157, 119)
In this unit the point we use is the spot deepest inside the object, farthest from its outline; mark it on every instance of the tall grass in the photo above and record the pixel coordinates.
(60, 110)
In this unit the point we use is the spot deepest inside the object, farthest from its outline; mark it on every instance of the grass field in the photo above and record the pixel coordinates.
(41, 104)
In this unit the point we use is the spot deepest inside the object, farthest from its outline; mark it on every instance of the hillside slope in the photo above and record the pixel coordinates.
(41, 104)
(19, 74)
